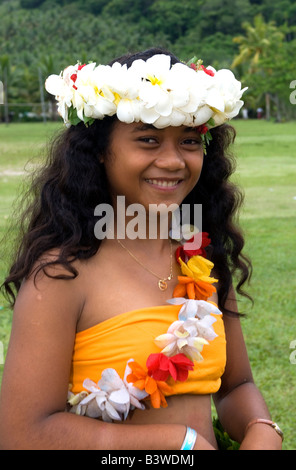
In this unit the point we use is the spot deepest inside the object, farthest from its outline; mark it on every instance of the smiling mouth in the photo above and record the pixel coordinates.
(163, 183)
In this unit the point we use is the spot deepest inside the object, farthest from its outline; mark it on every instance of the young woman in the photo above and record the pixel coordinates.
(133, 324)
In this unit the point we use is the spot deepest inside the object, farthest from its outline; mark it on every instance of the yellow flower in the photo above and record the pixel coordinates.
(199, 268)
(196, 282)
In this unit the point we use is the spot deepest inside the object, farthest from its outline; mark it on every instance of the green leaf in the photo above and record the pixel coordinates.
(223, 440)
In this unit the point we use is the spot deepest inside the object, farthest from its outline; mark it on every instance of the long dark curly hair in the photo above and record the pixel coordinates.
(72, 182)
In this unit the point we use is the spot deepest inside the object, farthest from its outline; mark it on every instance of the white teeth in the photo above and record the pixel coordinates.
(165, 184)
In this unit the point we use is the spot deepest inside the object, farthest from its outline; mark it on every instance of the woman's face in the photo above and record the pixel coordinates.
(153, 166)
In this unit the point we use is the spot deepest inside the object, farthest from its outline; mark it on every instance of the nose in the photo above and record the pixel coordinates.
(170, 158)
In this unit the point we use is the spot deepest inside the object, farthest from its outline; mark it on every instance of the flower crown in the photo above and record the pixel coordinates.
(152, 91)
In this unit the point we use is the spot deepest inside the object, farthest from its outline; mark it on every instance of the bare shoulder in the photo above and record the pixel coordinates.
(48, 307)
(45, 316)
(53, 287)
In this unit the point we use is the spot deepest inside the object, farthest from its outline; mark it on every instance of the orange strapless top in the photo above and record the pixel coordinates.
(131, 335)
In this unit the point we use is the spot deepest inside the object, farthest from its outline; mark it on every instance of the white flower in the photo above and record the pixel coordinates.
(110, 399)
(153, 93)
(194, 308)
(224, 97)
(118, 395)
(96, 404)
(125, 86)
(93, 97)
(187, 337)
(61, 86)
(204, 327)
(166, 94)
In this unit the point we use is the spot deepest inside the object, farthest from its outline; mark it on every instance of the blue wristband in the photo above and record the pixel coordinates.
(190, 439)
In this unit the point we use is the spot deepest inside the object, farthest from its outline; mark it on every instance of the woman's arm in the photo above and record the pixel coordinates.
(239, 401)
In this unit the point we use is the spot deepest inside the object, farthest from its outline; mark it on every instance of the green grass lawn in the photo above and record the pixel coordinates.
(266, 169)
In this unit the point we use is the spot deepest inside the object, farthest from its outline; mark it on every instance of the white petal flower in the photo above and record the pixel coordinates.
(118, 396)
(93, 97)
(194, 308)
(225, 97)
(110, 399)
(56, 85)
(204, 327)
(182, 337)
(128, 110)
(176, 118)
(93, 405)
(202, 115)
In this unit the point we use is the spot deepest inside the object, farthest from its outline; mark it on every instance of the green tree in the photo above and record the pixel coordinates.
(262, 40)
(257, 43)
(31, 3)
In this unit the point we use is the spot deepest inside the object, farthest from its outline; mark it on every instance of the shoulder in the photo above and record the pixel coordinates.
(53, 287)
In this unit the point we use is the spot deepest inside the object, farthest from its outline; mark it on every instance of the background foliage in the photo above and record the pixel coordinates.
(256, 38)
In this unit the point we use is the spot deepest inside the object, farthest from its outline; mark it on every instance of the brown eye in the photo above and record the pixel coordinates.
(148, 140)
(191, 142)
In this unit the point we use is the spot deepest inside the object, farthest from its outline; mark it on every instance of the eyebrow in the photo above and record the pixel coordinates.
(145, 127)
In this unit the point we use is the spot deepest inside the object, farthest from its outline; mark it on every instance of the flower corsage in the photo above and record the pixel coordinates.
(112, 397)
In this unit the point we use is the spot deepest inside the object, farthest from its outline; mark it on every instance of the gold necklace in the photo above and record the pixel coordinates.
(162, 282)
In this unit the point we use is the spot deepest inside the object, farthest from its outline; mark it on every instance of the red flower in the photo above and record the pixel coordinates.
(203, 129)
(74, 75)
(198, 66)
(195, 246)
(208, 72)
(161, 367)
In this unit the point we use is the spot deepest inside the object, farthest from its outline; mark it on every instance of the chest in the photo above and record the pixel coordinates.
(121, 284)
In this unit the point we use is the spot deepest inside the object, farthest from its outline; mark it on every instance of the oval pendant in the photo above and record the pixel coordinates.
(162, 284)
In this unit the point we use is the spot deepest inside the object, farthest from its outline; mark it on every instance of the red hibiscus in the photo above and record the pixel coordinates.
(161, 367)
(195, 246)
